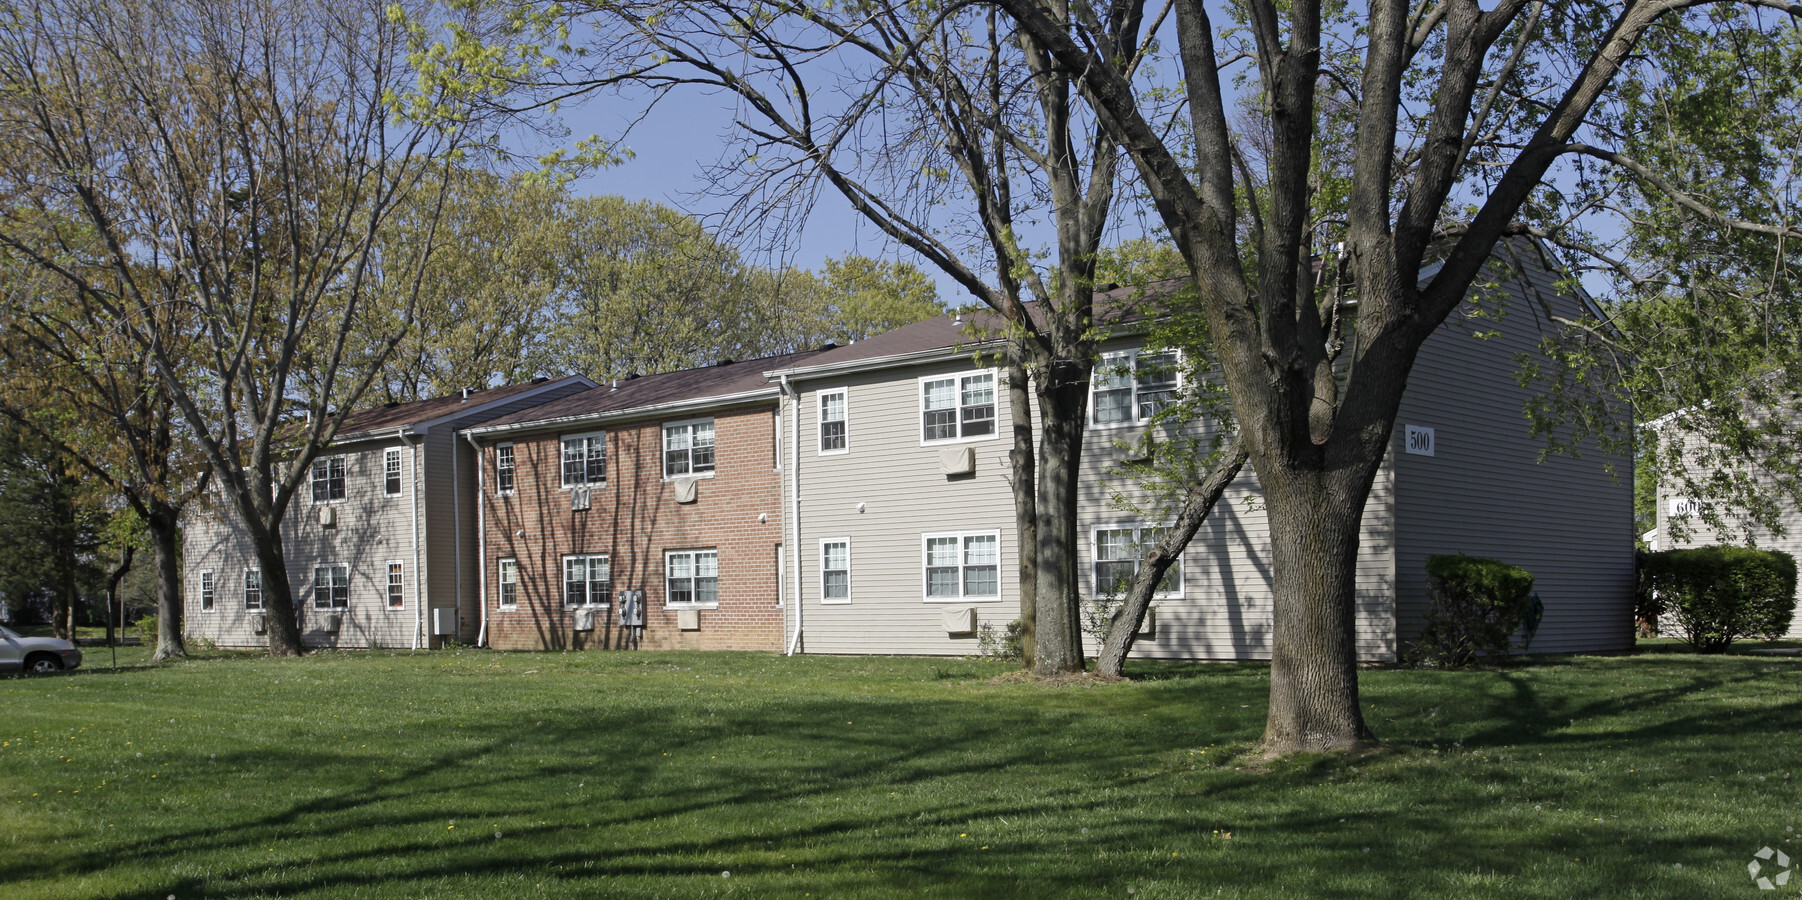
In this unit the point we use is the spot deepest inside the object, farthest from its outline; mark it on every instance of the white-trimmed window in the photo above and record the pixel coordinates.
(508, 583)
(963, 565)
(692, 578)
(833, 421)
(1132, 385)
(397, 584)
(206, 590)
(688, 448)
(503, 467)
(584, 459)
(835, 570)
(328, 479)
(253, 588)
(957, 407)
(331, 586)
(1120, 550)
(587, 580)
(391, 472)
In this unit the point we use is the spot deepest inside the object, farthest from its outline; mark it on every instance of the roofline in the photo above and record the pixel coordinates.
(629, 412)
(892, 361)
(426, 424)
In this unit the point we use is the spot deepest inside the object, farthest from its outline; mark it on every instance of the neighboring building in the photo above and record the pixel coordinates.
(902, 536)
(388, 500)
(668, 485)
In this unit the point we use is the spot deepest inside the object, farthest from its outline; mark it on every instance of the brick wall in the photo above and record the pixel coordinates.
(634, 518)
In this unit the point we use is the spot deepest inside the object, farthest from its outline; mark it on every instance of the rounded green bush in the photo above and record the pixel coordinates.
(1716, 595)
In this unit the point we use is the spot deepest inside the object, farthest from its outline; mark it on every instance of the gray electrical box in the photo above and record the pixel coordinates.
(631, 608)
(444, 621)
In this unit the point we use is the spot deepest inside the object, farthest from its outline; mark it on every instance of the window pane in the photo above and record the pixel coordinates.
(574, 466)
(832, 435)
(707, 590)
(575, 586)
(703, 457)
(1156, 371)
(941, 582)
(837, 585)
(836, 555)
(681, 565)
(1115, 544)
(941, 425)
(322, 587)
(1115, 371)
(832, 407)
(597, 460)
(941, 394)
(1113, 406)
(681, 590)
(1114, 577)
(979, 420)
(979, 390)
(676, 437)
(707, 565)
(980, 581)
(980, 550)
(941, 551)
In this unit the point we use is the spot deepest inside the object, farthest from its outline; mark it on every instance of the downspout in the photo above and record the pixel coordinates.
(418, 613)
(457, 529)
(481, 545)
(794, 506)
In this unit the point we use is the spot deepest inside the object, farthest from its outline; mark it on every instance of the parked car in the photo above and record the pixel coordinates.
(36, 655)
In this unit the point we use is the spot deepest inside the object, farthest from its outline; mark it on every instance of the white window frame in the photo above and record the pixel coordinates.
(963, 563)
(506, 583)
(1130, 360)
(588, 581)
(844, 398)
(342, 478)
(957, 379)
(690, 424)
(395, 567)
(589, 439)
(694, 556)
(396, 474)
(331, 589)
(250, 571)
(1175, 591)
(209, 590)
(505, 453)
(835, 601)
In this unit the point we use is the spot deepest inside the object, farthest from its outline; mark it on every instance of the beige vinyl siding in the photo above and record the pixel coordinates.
(905, 496)
(1485, 493)
(1224, 611)
(1699, 534)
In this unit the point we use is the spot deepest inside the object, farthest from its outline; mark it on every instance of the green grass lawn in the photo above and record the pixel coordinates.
(486, 774)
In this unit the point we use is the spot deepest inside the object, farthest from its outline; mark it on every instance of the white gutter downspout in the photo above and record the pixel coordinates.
(418, 613)
(481, 545)
(794, 505)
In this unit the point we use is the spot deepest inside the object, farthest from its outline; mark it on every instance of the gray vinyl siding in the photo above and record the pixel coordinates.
(1485, 492)
(905, 496)
(1700, 534)
(371, 529)
(1224, 607)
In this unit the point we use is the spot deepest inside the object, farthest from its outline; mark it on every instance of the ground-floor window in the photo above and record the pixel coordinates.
(587, 580)
(835, 570)
(331, 586)
(253, 588)
(692, 578)
(508, 583)
(397, 584)
(1120, 550)
(963, 565)
(206, 590)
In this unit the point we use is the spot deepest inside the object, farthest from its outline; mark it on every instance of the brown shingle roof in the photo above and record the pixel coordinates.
(396, 415)
(709, 382)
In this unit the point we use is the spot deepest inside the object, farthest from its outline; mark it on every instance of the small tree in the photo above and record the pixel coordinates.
(1716, 595)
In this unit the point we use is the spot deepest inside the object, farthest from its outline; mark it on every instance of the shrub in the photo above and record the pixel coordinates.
(1713, 596)
(1475, 606)
(1001, 645)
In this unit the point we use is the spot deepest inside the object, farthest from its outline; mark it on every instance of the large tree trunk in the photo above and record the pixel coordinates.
(1313, 663)
(163, 536)
(278, 600)
(1198, 502)
(1025, 483)
(1063, 398)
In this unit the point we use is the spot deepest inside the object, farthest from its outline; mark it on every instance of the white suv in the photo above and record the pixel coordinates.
(36, 655)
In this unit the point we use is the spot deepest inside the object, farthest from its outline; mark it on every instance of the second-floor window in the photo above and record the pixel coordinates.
(503, 468)
(832, 421)
(584, 459)
(328, 479)
(688, 448)
(391, 472)
(1133, 386)
(957, 407)
(331, 586)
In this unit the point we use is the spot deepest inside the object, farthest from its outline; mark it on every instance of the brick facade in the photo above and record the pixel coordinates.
(634, 518)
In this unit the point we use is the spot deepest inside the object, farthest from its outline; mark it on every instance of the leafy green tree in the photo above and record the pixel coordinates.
(50, 522)
(872, 296)
(1458, 115)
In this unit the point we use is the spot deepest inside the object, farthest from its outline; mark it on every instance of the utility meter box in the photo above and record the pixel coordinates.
(444, 621)
(631, 608)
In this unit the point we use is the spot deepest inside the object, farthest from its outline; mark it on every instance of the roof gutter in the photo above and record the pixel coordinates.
(891, 361)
